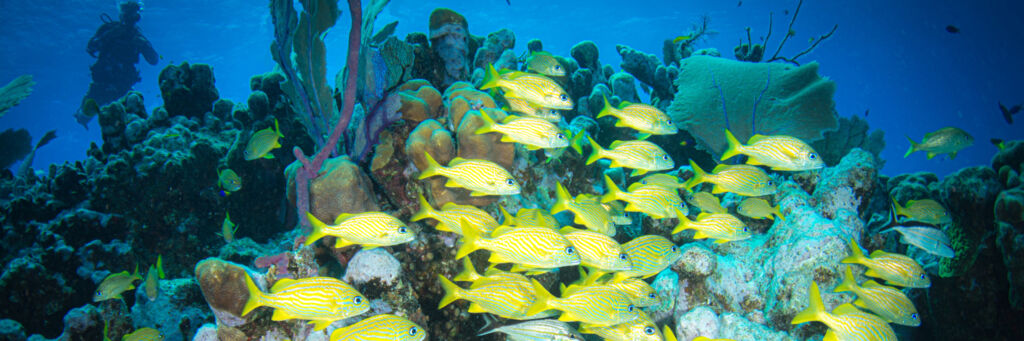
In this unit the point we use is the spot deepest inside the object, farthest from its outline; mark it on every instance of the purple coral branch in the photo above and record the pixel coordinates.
(721, 95)
(309, 169)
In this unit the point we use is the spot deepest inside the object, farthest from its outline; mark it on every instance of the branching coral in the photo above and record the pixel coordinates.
(751, 52)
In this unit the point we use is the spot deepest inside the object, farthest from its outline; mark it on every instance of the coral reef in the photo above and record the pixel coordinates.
(851, 133)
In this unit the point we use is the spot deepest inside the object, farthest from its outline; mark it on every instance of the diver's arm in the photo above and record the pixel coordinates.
(99, 39)
(146, 49)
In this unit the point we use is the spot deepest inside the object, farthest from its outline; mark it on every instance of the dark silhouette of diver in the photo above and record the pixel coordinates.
(116, 47)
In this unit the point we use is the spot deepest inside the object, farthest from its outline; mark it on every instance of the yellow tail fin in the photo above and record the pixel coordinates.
(318, 229)
(698, 176)
(607, 110)
(848, 284)
(468, 273)
(488, 126)
(452, 292)
(912, 149)
(491, 78)
(543, 301)
(857, 256)
(596, 151)
(613, 191)
(562, 199)
(684, 222)
(433, 168)
(426, 211)
(507, 218)
(470, 239)
(815, 310)
(735, 147)
(255, 296)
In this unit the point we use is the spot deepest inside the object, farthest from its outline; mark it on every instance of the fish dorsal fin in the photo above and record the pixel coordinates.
(281, 283)
(719, 168)
(455, 161)
(342, 217)
(877, 253)
(871, 284)
(845, 309)
(756, 138)
(615, 144)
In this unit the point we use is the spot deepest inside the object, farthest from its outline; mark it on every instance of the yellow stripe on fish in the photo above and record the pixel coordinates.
(531, 132)
(893, 268)
(656, 201)
(740, 179)
(321, 300)
(448, 218)
(926, 211)
(481, 177)
(650, 254)
(887, 302)
(639, 329)
(640, 293)
(780, 152)
(597, 250)
(640, 156)
(659, 179)
(507, 298)
(262, 142)
(758, 208)
(596, 305)
(544, 63)
(538, 330)
(528, 247)
(845, 323)
(537, 89)
(114, 284)
(530, 217)
(383, 327)
(647, 119)
(368, 229)
(588, 212)
(723, 227)
(524, 107)
(707, 202)
(143, 334)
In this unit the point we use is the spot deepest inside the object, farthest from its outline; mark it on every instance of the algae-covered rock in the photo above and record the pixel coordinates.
(715, 94)
(223, 287)
(852, 133)
(449, 37)
(969, 195)
(188, 90)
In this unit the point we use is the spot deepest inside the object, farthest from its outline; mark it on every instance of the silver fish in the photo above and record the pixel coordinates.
(538, 330)
(929, 239)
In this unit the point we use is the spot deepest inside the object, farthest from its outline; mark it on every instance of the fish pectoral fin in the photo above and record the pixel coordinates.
(281, 315)
(319, 325)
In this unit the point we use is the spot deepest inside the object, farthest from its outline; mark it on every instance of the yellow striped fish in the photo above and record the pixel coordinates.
(228, 228)
(262, 142)
(152, 284)
(948, 140)
(723, 227)
(845, 323)
(528, 247)
(530, 217)
(537, 89)
(507, 298)
(597, 250)
(650, 254)
(588, 212)
(640, 293)
(758, 208)
(596, 305)
(544, 63)
(538, 330)
(369, 229)
(524, 107)
(705, 338)
(640, 156)
(640, 329)
(321, 300)
(481, 177)
(655, 201)
(659, 179)
(707, 202)
(740, 179)
(143, 334)
(779, 152)
(469, 274)
(893, 268)
(617, 210)
(926, 211)
(531, 132)
(646, 119)
(887, 302)
(114, 284)
(383, 327)
(449, 215)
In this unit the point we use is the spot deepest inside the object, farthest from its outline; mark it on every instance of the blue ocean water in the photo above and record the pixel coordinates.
(893, 61)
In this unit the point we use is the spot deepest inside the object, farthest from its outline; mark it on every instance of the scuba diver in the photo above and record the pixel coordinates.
(116, 47)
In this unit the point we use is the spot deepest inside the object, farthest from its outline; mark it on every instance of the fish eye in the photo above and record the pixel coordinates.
(558, 67)
(402, 229)
(623, 256)
(631, 308)
(560, 136)
(812, 156)
(651, 295)
(923, 276)
(357, 300)
(674, 248)
(913, 316)
(669, 122)
(570, 250)
(99, 293)
(664, 157)
(413, 331)
(744, 229)
(564, 97)
(649, 330)
(771, 183)
(510, 182)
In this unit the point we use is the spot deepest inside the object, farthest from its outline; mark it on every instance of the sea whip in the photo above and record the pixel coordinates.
(310, 168)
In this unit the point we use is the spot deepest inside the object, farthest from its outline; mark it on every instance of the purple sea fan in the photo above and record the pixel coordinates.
(380, 116)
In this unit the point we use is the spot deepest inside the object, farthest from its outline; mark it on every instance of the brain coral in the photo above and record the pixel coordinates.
(751, 98)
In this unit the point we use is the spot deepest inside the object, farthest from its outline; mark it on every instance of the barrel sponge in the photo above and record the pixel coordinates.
(223, 285)
(751, 98)
(420, 100)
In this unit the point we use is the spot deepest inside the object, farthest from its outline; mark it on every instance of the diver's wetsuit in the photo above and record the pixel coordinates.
(113, 75)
